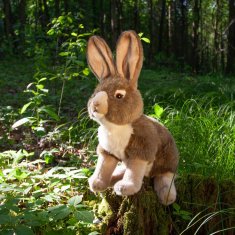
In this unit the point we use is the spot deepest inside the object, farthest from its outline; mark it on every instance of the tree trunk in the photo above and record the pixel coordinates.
(184, 32)
(142, 214)
(101, 17)
(57, 8)
(169, 30)
(66, 6)
(9, 32)
(113, 18)
(120, 16)
(107, 20)
(175, 31)
(195, 36)
(161, 26)
(22, 18)
(41, 14)
(150, 6)
(94, 14)
(231, 39)
(136, 15)
(216, 36)
(46, 12)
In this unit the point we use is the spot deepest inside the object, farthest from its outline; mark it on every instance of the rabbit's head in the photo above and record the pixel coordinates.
(116, 98)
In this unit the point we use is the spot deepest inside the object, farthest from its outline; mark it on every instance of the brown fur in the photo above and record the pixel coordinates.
(125, 110)
(153, 142)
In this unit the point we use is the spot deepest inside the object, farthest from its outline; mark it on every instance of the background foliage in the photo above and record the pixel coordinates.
(191, 34)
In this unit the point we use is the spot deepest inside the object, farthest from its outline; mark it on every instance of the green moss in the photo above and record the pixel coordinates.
(104, 209)
(130, 223)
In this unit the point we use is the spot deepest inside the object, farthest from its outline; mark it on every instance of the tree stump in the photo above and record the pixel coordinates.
(142, 214)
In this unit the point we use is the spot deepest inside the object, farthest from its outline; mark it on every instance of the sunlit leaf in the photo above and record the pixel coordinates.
(145, 40)
(48, 159)
(75, 200)
(18, 156)
(27, 190)
(65, 53)
(24, 108)
(20, 122)
(40, 86)
(29, 85)
(86, 71)
(42, 79)
(51, 32)
(18, 174)
(49, 198)
(65, 187)
(158, 110)
(39, 130)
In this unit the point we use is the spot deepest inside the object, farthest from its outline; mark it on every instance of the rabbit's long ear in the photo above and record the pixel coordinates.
(129, 56)
(99, 58)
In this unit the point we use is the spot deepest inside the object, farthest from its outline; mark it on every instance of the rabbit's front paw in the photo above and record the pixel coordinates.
(96, 184)
(167, 195)
(125, 188)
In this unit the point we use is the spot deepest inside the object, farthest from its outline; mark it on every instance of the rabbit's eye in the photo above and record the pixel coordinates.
(119, 94)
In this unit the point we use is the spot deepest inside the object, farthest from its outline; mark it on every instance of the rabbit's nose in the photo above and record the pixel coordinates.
(95, 106)
(99, 103)
(96, 103)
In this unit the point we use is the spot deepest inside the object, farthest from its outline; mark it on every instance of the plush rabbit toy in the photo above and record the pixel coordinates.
(142, 145)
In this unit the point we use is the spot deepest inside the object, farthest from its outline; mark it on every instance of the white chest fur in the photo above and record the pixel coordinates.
(115, 138)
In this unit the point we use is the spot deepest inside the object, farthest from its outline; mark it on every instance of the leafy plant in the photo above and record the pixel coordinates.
(143, 38)
(182, 214)
(39, 111)
(39, 200)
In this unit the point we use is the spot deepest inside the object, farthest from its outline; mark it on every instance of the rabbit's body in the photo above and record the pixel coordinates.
(135, 140)
(144, 146)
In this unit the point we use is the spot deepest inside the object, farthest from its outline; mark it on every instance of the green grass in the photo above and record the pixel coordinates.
(174, 88)
(205, 135)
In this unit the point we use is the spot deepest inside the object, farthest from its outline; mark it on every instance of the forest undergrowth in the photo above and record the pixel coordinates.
(47, 142)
